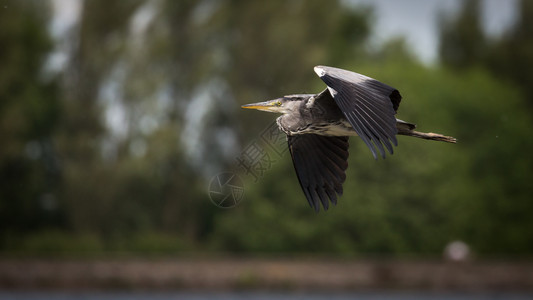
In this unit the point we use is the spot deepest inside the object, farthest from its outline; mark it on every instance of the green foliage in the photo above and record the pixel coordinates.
(54, 242)
(501, 173)
(29, 110)
(72, 183)
(464, 45)
(511, 57)
(462, 40)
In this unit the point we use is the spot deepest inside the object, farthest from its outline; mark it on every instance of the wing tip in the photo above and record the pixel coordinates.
(319, 70)
(383, 153)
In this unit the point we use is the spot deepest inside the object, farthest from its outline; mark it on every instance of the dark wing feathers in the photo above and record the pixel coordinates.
(367, 104)
(320, 163)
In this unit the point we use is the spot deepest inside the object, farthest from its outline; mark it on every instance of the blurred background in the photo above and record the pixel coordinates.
(115, 117)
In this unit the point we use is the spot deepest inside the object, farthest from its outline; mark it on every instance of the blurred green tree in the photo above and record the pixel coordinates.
(511, 57)
(462, 40)
(510, 60)
(102, 28)
(29, 115)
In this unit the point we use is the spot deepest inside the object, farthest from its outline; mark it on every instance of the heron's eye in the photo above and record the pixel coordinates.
(278, 103)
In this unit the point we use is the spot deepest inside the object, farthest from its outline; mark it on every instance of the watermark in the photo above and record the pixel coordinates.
(227, 189)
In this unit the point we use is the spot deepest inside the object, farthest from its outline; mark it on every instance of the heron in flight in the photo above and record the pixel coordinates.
(318, 127)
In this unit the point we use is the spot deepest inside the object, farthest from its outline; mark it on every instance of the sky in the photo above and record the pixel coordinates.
(417, 21)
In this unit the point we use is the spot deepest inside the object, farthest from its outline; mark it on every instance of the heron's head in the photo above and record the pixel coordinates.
(283, 105)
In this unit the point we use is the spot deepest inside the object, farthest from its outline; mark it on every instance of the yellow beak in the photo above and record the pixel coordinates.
(269, 106)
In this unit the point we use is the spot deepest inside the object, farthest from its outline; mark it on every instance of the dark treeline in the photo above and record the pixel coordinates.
(113, 149)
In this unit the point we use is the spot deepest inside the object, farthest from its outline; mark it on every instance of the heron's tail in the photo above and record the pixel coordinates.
(430, 136)
(405, 128)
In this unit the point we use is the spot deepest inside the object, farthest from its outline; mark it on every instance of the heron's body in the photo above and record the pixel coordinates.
(311, 116)
(318, 127)
(314, 118)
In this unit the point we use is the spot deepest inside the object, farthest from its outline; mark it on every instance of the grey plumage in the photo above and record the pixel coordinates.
(318, 127)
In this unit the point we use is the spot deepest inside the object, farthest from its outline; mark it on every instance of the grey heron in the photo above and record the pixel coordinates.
(318, 126)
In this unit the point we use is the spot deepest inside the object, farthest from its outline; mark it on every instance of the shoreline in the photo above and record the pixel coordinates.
(264, 273)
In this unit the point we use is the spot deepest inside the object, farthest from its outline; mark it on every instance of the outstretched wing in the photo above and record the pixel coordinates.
(320, 163)
(367, 104)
